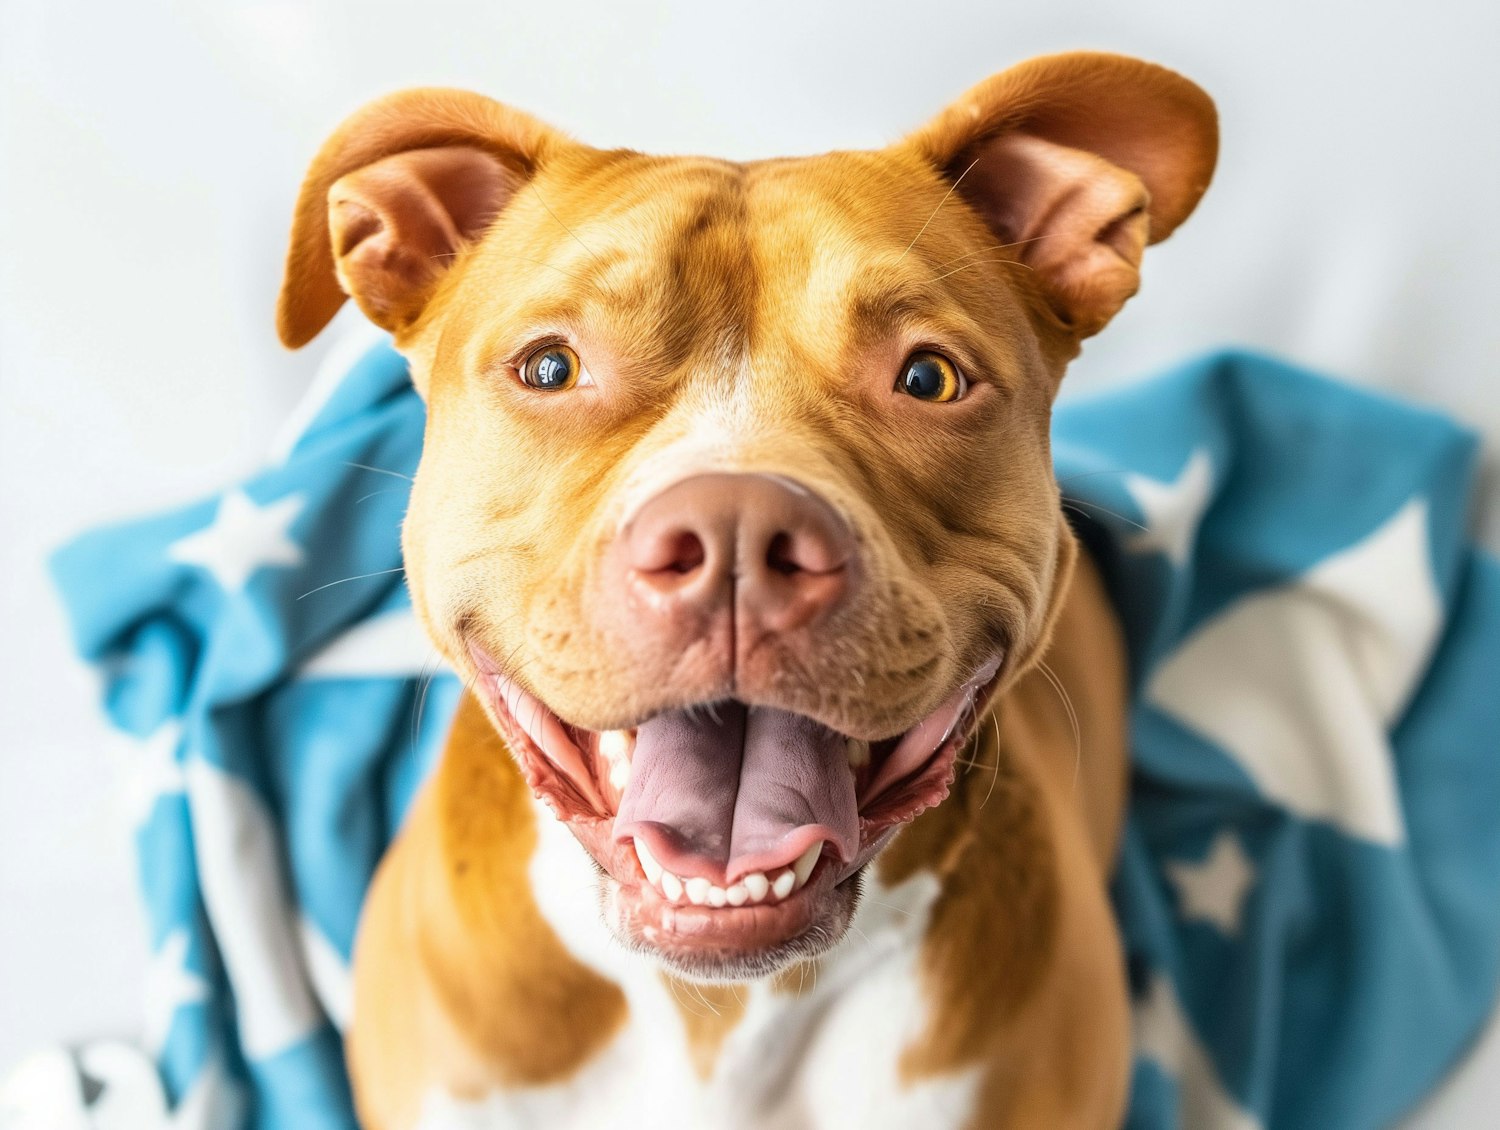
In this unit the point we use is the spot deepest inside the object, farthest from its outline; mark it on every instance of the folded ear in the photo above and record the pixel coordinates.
(393, 196)
(1081, 160)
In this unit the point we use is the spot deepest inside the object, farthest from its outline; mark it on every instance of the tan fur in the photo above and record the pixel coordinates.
(454, 951)
(1023, 956)
(754, 318)
(709, 1013)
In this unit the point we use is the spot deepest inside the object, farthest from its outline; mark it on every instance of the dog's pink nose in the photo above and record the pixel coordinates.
(771, 549)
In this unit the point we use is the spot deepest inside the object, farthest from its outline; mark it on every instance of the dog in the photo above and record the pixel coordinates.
(787, 783)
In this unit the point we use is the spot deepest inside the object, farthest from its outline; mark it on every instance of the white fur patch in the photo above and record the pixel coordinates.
(823, 1059)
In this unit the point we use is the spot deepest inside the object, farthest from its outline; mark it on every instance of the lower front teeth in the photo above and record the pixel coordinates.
(755, 887)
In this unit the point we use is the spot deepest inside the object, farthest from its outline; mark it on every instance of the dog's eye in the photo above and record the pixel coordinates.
(552, 368)
(931, 376)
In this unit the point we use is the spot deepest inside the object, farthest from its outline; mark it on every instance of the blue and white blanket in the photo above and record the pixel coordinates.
(1310, 883)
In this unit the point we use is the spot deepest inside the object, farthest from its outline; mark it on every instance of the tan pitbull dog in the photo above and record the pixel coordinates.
(737, 514)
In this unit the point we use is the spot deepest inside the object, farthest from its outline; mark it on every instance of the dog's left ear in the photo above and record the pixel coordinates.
(1080, 159)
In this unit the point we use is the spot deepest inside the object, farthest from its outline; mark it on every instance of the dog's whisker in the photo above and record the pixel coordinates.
(901, 910)
(995, 722)
(1066, 479)
(379, 470)
(980, 263)
(542, 201)
(554, 267)
(1075, 503)
(376, 494)
(862, 935)
(698, 990)
(672, 985)
(971, 254)
(356, 577)
(1072, 719)
(984, 250)
(952, 188)
(424, 684)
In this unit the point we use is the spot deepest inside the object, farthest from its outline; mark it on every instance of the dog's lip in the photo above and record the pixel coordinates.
(715, 941)
(946, 726)
(914, 774)
(545, 731)
(687, 934)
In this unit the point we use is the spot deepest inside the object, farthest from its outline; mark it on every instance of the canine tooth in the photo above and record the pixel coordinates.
(716, 896)
(616, 746)
(653, 870)
(671, 886)
(783, 884)
(697, 890)
(806, 862)
(858, 751)
(619, 775)
(737, 895)
(757, 885)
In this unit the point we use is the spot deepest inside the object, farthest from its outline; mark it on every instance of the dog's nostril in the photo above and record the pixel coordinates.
(780, 557)
(684, 552)
(679, 551)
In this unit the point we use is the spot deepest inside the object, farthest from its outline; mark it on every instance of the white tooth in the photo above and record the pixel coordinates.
(806, 862)
(619, 775)
(716, 896)
(757, 885)
(737, 895)
(616, 746)
(783, 884)
(858, 751)
(671, 886)
(697, 890)
(649, 865)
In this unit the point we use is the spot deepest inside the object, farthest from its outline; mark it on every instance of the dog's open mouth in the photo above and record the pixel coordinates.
(720, 819)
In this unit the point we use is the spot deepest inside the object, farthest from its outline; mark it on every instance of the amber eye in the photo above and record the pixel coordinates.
(931, 376)
(552, 368)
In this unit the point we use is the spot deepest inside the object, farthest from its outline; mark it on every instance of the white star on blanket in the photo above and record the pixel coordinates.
(1298, 683)
(242, 539)
(1213, 890)
(148, 770)
(1172, 510)
(169, 986)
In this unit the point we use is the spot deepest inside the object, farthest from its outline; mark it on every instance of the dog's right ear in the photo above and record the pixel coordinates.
(392, 198)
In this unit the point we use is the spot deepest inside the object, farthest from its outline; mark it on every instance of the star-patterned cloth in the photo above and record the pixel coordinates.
(1309, 887)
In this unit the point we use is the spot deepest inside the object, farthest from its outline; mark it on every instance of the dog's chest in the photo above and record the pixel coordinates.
(797, 1055)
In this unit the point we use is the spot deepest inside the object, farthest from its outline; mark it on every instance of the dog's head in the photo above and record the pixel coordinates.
(736, 501)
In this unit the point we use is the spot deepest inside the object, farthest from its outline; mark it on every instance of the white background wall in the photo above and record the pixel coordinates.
(149, 153)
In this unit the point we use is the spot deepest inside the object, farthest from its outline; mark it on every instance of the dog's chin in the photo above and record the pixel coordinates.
(719, 944)
(731, 840)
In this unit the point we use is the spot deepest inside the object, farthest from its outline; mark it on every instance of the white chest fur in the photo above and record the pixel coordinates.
(825, 1058)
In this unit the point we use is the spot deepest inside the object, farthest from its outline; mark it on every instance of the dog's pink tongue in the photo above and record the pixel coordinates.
(731, 791)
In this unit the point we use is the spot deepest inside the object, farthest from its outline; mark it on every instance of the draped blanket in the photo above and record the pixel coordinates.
(1310, 882)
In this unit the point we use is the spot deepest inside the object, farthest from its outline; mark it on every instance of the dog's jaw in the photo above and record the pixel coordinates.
(752, 914)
